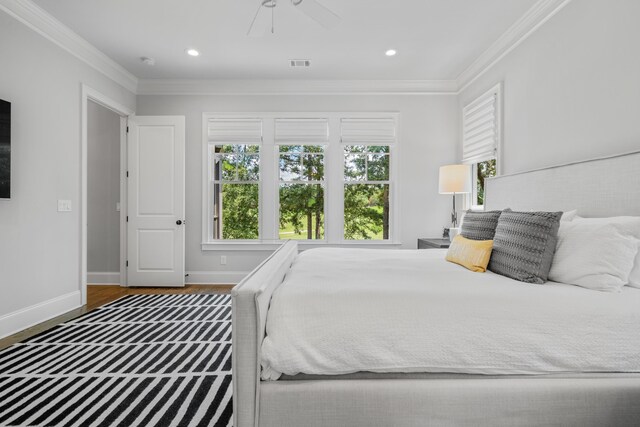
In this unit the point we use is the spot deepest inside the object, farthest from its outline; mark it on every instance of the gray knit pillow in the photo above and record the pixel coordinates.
(480, 225)
(524, 244)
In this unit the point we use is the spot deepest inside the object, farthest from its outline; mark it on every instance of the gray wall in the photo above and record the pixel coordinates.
(103, 189)
(39, 247)
(571, 90)
(429, 135)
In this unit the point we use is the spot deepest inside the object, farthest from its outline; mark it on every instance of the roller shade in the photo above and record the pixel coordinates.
(354, 131)
(302, 131)
(481, 129)
(247, 131)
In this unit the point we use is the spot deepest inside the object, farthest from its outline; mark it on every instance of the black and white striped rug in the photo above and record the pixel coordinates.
(144, 360)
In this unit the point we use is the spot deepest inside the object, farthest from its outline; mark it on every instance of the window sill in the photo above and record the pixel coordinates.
(271, 245)
(477, 208)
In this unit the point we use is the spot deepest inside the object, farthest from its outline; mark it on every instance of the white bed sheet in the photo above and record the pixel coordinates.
(341, 311)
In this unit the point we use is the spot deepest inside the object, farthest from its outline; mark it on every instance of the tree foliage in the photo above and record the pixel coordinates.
(365, 214)
(240, 211)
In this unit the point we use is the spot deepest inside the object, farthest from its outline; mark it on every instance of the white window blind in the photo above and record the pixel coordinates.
(480, 128)
(248, 131)
(301, 130)
(381, 131)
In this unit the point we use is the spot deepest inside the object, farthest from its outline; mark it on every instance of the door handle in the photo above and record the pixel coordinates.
(179, 222)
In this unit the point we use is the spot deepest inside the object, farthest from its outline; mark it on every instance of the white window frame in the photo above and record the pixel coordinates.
(269, 182)
(469, 200)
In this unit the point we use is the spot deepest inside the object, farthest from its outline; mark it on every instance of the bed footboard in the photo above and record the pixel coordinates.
(250, 301)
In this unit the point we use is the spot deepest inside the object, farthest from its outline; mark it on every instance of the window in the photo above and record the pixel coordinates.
(315, 177)
(234, 179)
(481, 140)
(366, 192)
(301, 192)
(236, 191)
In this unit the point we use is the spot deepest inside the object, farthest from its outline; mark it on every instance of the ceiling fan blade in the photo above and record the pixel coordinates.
(261, 23)
(317, 12)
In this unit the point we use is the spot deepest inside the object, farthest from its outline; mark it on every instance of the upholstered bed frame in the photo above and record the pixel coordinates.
(602, 187)
(596, 188)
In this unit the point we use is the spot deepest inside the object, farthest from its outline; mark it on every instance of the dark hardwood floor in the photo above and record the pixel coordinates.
(100, 295)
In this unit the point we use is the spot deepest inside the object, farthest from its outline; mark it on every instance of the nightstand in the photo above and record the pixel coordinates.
(437, 243)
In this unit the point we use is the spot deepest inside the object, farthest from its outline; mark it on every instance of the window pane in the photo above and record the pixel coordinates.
(313, 167)
(483, 170)
(290, 167)
(225, 167)
(366, 163)
(301, 162)
(319, 149)
(236, 163)
(355, 149)
(252, 149)
(366, 211)
(248, 167)
(301, 211)
(235, 211)
(378, 149)
(225, 148)
(378, 167)
(355, 167)
(291, 148)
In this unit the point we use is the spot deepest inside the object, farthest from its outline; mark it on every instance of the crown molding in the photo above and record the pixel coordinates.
(296, 87)
(36, 18)
(535, 17)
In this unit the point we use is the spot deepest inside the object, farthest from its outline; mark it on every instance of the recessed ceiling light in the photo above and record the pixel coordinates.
(391, 52)
(192, 52)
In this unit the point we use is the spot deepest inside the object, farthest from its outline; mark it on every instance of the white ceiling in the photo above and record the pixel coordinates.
(435, 39)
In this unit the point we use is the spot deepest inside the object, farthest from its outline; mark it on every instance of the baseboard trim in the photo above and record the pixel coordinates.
(215, 277)
(103, 278)
(27, 317)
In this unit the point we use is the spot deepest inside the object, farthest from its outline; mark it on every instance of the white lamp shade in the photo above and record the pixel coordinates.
(455, 179)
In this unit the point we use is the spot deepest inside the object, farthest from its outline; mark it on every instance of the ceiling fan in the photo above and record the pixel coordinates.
(312, 8)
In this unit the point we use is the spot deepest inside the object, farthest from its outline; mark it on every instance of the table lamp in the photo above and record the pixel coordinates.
(455, 179)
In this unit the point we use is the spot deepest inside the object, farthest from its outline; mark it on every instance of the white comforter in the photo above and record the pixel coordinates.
(349, 310)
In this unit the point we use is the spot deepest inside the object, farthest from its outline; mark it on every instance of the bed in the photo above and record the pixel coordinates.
(307, 376)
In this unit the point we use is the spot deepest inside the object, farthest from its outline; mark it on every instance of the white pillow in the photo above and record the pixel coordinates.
(569, 215)
(596, 253)
(630, 225)
(634, 278)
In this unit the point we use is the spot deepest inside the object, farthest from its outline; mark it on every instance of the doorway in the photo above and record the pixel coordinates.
(103, 195)
(95, 103)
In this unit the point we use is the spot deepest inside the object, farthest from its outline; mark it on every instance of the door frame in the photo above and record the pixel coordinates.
(90, 94)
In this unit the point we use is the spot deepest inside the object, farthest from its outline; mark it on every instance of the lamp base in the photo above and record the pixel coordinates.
(454, 213)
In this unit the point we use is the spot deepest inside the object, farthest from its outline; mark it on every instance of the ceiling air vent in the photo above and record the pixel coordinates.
(296, 63)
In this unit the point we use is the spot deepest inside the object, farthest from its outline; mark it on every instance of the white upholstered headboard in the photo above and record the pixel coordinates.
(596, 188)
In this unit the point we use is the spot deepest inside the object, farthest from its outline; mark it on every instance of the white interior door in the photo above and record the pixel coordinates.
(156, 223)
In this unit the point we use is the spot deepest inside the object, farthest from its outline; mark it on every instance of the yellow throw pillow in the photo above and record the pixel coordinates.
(474, 255)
